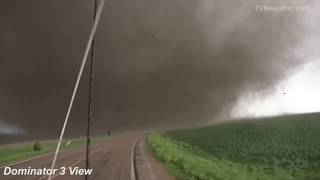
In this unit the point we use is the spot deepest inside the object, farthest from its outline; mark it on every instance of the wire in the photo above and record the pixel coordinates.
(92, 33)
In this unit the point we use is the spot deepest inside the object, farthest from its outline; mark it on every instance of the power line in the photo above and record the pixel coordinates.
(90, 95)
(85, 56)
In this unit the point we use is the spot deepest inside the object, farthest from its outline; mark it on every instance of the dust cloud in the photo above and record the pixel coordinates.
(158, 64)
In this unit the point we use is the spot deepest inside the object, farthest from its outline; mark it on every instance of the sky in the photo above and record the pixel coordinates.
(299, 93)
(6, 129)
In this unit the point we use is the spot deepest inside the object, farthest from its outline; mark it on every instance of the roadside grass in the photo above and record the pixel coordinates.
(280, 148)
(9, 155)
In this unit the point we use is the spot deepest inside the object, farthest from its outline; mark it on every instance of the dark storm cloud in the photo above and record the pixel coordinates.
(158, 63)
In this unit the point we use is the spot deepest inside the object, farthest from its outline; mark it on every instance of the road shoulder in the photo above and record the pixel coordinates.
(147, 166)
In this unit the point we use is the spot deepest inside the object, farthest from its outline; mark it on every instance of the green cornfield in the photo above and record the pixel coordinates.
(285, 147)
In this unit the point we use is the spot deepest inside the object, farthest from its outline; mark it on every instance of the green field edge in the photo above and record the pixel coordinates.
(12, 155)
(187, 162)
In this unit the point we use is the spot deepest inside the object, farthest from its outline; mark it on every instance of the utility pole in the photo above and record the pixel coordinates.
(90, 93)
